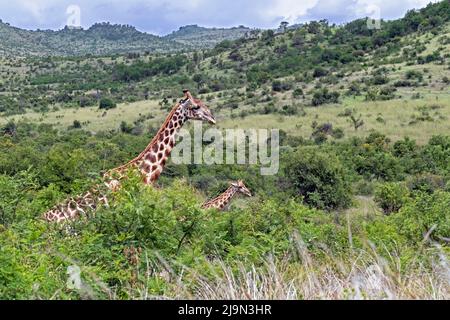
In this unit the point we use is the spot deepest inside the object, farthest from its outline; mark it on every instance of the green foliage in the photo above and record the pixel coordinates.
(414, 74)
(426, 182)
(140, 70)
(76, 124)
(107, 103)
(319, 72)
(280, 86)
(167, 223)
(373, 158)
(426, 213)
(125, 127)
(14, 191)
(324, 96)
(391, 196)
(319, 178)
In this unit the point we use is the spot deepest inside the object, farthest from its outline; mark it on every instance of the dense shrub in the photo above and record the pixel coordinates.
(167, 223)
(426, 213)
(324, 96)
(140, 69)
(414, 74)
(279, 86)
(426, 182)
(319, 178)
(391, 196)
(434, 157)
(319, 72)
(107, 103)
(372, 158)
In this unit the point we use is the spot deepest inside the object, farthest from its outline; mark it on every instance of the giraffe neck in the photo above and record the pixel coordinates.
(222, 200)
(152, 160)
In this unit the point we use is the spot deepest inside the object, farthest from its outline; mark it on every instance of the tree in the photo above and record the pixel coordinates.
(357, 122)
(324, 96)
(125, 127)
(9, 129)
(319, 178)
(314, 27)
(76, 124)
(107, 103)
(298, 39)
(268, 37)
(235, 56)
(199, 79)
(319, 72)
(283, 26)
(391, 196)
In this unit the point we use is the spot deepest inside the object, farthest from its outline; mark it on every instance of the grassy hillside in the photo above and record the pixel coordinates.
(313, 65)
(418, 119)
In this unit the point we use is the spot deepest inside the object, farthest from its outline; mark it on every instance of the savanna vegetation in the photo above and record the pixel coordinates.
(360, 207)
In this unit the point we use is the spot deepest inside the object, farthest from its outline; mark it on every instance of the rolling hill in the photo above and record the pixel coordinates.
(106, 39)
(201, 37)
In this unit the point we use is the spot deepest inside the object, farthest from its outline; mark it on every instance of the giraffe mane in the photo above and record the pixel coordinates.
(155, 138)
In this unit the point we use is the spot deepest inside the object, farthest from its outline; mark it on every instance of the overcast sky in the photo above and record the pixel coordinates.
(163, 16)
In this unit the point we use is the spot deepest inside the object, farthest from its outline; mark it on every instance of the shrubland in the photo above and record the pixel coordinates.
(295, 234)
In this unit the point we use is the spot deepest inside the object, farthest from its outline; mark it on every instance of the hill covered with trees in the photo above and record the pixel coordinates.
(201, 37)
(105, 38)
(316, 64)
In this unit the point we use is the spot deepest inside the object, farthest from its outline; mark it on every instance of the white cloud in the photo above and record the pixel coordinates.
(33, 7)
(163, 16)
(289, 10)
(388, 9)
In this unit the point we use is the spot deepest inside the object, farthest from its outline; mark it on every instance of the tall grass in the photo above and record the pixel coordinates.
(372, 273)
(366, 276)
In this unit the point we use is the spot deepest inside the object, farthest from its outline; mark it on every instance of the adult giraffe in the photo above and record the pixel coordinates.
(149, 162)
(221, 202)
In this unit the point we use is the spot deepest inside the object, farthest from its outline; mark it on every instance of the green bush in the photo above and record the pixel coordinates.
(372, 158)
(107, 103)
(414, 74)
(426, 213)
(391, 196)
(426, 182)
(324, 96)
(319, 72)
(279, 86)
(319, 178)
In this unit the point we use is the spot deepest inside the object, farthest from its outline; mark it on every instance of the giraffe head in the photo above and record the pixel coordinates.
(240, 187)
(196, 109)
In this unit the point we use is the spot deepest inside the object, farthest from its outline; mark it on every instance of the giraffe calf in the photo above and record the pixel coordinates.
(223, 200)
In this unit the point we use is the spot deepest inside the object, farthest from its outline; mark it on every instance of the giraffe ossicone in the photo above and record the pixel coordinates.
(149, 162)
